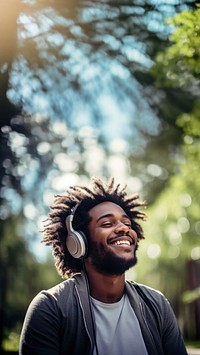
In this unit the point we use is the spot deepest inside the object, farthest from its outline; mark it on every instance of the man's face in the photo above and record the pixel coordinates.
(113, 243)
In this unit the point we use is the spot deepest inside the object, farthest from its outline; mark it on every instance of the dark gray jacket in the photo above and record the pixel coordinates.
(59, 321)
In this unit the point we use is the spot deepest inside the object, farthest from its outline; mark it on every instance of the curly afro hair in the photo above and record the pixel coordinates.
(55, 232)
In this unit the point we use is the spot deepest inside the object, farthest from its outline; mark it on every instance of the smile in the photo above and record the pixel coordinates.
(121, 242)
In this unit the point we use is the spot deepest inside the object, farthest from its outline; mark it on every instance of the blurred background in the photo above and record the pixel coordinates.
(100, 88)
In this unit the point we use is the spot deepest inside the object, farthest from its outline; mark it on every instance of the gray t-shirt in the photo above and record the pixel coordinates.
(117, 329)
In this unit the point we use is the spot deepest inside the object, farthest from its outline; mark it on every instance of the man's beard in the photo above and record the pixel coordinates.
(108, 263)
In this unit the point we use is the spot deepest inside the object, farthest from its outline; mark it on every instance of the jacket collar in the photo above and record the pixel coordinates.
(82, 288)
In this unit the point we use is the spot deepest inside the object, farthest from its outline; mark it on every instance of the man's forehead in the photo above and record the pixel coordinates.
(106, 207)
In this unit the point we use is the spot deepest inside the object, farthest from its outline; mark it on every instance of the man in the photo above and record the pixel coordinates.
(95, 234)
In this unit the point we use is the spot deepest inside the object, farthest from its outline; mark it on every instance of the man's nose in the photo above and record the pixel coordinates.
(122, 228)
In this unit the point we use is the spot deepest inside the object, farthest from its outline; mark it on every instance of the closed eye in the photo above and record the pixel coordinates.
(107, 224)
(127, 222)
(128, 225)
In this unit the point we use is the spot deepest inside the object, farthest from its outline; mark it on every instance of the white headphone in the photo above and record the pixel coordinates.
(76, 241)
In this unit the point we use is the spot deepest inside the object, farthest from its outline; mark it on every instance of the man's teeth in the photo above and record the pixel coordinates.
(122, 242)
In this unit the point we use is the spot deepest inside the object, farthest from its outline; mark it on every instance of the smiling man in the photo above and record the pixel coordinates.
(94, 234)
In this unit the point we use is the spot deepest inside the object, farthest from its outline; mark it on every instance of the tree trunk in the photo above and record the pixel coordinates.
(8, 43)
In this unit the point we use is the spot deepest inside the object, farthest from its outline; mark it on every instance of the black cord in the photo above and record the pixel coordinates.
(90, 305)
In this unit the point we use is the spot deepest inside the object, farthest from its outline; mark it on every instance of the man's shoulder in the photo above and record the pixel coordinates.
(56, 295)
(152, 300)
(147, 288)
(60, 288)
(145, 291)
(63, 289)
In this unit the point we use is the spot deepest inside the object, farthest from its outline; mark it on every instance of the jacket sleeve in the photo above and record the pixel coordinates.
(173, 343)
(40, 332)
(162, 322)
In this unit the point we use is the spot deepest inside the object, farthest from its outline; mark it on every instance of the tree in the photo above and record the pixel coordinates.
(8, 45)
(174, 217)
(179, 65)
(67, 54)
(21, 277)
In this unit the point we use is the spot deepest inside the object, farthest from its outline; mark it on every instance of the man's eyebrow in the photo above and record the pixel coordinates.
(104, 216)
(112, 215)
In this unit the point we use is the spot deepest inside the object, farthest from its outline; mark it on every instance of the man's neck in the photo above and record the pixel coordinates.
(106, 288)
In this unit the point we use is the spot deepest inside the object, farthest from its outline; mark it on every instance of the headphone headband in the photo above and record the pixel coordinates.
(73, 209)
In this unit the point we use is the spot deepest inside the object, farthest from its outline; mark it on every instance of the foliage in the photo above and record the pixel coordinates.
(174, 225)
(190, 123)
(191, 296)
(11, 343)
(179, 65)
(172, 236)
(21, 276)
(72, 63)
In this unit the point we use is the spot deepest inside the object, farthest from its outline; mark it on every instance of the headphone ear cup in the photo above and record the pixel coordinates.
(76, 241)
(77, 244)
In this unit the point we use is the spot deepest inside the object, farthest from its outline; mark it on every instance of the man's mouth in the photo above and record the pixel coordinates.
(121, 242)
(127, 241)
